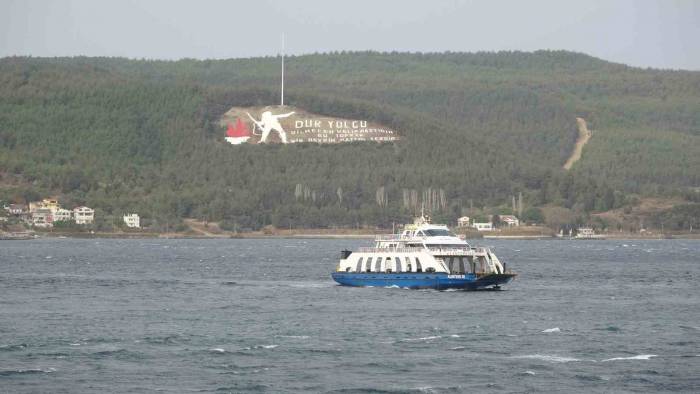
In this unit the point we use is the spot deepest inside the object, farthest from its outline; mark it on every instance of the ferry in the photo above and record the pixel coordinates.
(587, 233)
(422, 256)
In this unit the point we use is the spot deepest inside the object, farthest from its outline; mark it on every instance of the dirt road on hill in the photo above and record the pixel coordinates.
(583, 136)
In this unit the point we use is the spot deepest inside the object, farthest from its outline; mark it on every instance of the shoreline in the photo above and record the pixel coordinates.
(321, 235)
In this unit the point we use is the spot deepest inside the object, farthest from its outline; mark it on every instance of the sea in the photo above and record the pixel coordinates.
(263, 315)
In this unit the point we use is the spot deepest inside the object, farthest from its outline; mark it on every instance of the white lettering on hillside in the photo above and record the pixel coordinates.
(270, 127)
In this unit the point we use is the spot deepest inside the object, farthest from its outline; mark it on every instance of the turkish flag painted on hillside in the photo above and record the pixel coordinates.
(240, 130)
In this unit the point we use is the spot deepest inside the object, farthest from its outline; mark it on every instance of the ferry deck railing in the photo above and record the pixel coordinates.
(406, 238)
(399, 237)
(434, 251)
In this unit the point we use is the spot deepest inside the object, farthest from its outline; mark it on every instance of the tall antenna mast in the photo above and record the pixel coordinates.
(282, 89)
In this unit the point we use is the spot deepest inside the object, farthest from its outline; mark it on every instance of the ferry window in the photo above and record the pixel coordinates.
(368, 266)
(421, 234)
(378, 265)
(418, 266)
(398, 264)
(461, 265)
(449, 262)
(472, 266)
(359, 265)
(408, 264)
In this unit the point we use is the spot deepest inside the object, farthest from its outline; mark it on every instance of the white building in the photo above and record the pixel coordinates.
(132, 220)
(42, 217)
(463, 221)
(84, 215)
(488, 226)
(47, 203)
(510, 220)
(62, 215)
(15, 209)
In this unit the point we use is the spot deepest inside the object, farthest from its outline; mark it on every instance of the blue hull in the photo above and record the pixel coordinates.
(413, 280)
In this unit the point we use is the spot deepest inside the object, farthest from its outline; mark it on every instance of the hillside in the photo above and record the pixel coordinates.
(133, 135)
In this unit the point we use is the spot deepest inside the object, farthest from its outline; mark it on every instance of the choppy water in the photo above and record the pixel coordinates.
(264, 315)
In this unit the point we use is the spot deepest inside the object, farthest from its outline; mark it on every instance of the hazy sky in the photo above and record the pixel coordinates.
(643, 33)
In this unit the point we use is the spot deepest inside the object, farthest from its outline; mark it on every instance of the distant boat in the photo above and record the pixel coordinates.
(587, 233)
(17, 235)
(423, 256)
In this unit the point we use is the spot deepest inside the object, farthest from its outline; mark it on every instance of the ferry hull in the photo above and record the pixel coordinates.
(438, 281)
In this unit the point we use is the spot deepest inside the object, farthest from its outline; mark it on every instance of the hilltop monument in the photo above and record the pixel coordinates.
(296, 125)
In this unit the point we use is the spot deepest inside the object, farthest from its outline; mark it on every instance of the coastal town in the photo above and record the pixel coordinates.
(48, 213)
(48, 217)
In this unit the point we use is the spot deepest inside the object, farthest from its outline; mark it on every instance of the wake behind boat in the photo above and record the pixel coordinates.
(423, 256)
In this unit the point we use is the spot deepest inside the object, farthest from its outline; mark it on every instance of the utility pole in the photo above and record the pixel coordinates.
(282, 88)
(520, 204)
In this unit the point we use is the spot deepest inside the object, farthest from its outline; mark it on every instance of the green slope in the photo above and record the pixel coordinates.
(127, 135)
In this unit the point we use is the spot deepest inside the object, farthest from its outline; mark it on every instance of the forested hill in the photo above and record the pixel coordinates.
(137, 135)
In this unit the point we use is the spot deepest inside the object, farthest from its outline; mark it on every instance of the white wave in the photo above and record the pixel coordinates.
(31, 370)
(312, 285)
(217, 350)
(454, 336)
(74, 344)
(20, 346)
(260, 347)
(530, 373)
(638, 357)
(423, 338)
(555, 329)
(550, 358)
(294, 336)
(392, 287)
(458, 348)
